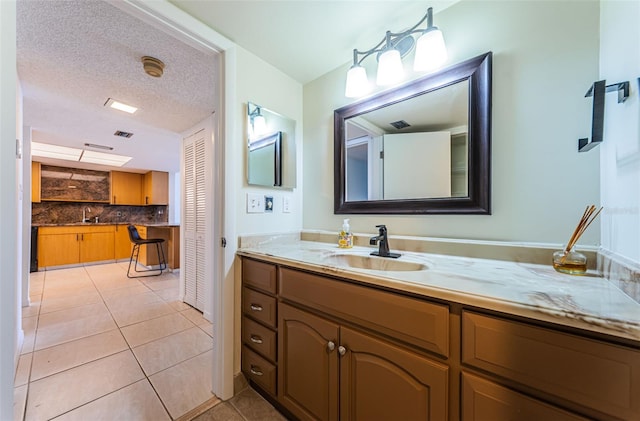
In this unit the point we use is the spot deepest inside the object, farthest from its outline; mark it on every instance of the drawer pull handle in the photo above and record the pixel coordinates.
(331, 346)
(255, 370)
(255, 339)
(256, 307)
(342, 350)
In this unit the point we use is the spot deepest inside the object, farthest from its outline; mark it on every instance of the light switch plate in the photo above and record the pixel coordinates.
(286, 205)
(268, 203)
(255, 203)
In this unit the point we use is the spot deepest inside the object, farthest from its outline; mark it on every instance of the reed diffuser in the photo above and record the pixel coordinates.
(568, 260)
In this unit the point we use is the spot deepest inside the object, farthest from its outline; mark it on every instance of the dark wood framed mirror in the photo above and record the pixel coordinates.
(421, 148)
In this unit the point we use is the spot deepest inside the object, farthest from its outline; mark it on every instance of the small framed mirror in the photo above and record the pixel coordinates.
(271, 149)
(421, 148)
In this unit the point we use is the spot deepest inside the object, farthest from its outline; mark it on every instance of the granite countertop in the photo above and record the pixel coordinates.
(90, 224)
(535, 291)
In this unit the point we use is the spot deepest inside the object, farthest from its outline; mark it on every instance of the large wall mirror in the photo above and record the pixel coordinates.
(422, 148)
(271, 152)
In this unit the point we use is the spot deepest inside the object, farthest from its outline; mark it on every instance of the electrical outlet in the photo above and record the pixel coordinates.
(268, 203)
(255, 203)
(118, 214)
(286, 205)
(160, 211)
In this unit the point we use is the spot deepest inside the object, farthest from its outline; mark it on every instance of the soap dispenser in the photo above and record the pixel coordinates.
(345, 239)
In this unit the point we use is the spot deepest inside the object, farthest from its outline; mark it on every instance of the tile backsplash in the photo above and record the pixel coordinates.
(71, 212)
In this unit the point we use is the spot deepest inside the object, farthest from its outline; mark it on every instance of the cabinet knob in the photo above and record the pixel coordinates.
(331, 346)
(255, 339)
(255, 370)
(256, 307)
(342, 350)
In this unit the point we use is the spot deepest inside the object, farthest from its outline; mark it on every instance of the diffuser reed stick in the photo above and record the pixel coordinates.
(568, 260)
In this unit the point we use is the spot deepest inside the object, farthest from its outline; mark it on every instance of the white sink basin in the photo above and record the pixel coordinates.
(375, 263)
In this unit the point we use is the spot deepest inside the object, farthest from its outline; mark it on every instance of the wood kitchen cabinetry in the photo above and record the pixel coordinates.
(35, 182)
(126, 188)
(347, 351)
(71, 245)
(156, 188)
(122, 246)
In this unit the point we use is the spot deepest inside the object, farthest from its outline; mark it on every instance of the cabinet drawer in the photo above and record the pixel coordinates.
(259, 338)
(259, 370)
(259, 306)
(485, 400)
(590, 373)
(259, 275)
(411, 320)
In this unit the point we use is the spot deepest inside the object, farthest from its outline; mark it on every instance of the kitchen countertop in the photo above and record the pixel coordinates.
(91, 224)
(535, 291)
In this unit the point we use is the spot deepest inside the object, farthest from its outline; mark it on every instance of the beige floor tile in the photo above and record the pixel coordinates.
(168, 294)
(68, 290)
(150, 330)
(62, 303)
(178, 305)
(24, 368)
(110, 294)
(207, 328)
(67, 331)
(171, 350)
(135, 402)
(71, 314)
(161, 284)
(80, 385)
(72, 354)
(195, 316)
(125, 316)
(117, 302)
(186, 385)
(29, 327)
(221, 412)
(115, 283)
(252, 406)
(19, 402)
(34, 307)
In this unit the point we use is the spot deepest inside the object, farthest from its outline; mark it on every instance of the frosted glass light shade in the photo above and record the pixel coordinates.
(431, 52)
(357, 82)
(259, 125)
(390, 69)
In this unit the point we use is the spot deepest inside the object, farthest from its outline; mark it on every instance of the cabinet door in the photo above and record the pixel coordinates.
(58, 249)
(35, 182)
(96, 246)
(126, 188)
(307, 364)
(379, 381)
(122, 247)
(156, 188)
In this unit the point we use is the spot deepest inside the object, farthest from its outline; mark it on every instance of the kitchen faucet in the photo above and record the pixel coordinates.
(383, 243)
(84, 213)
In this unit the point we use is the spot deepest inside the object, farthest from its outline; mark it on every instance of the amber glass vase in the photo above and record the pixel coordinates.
(571, 262)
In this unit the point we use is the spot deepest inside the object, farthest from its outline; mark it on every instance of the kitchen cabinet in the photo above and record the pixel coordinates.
(156, 188)
(148, 255)
(122, 243)
(126, 188)
(347, 351)
(75, 244)
(35, 182)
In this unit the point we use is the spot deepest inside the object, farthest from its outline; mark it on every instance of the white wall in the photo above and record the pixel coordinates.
(262, 84)
(620, 151)
(545, 58)
(10, 314)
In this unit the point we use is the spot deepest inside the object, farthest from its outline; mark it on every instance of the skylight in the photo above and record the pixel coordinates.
(46, 150)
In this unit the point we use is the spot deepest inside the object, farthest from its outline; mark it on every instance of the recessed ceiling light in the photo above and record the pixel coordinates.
(120, 106)
(46, 150)
(102, 158)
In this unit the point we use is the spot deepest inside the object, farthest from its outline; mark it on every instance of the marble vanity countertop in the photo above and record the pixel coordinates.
(535, 291)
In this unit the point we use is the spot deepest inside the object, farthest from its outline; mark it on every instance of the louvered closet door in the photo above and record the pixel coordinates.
(189, 224)
(200, 217)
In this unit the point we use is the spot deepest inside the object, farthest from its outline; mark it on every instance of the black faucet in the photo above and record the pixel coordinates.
(383, 243)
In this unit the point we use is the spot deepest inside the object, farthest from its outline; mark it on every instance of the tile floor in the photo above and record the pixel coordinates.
(99, 345)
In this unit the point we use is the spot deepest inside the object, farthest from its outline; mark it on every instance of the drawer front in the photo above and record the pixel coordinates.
(259, 370)
(411, 320)
(259, 338)
(590, 373)
(485, 400)
(259, 306)
(259, 275)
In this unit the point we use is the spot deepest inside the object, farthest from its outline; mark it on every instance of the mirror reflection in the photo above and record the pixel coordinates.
(271, 151)
(411, 149)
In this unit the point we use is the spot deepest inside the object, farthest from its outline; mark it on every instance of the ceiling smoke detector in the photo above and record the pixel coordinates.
(152, 66)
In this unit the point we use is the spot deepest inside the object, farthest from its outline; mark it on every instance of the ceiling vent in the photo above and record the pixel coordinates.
(120, 133)
(152, 66)
(400, 124)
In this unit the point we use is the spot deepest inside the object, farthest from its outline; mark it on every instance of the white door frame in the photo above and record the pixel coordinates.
(176, 22)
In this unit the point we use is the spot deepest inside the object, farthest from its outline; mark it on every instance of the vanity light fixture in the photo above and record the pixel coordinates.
(430, 54)
(257, 120)
(120, 106)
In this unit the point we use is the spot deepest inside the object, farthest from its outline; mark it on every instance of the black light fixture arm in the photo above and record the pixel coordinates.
(392, 38)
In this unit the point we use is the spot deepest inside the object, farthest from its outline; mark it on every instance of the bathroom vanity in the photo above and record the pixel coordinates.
(327, 334)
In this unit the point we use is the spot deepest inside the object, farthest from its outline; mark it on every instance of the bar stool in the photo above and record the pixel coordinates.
(137, 241)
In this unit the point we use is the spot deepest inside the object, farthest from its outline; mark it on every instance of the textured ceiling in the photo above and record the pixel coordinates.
(74, 55)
